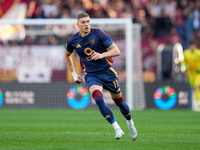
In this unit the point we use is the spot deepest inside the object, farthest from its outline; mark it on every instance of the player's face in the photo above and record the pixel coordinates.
(193, 47)
(84, 25)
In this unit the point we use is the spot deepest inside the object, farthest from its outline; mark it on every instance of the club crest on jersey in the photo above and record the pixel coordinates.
(92, 41)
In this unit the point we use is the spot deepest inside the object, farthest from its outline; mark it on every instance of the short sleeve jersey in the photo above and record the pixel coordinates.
(96, 40)
(191, 60)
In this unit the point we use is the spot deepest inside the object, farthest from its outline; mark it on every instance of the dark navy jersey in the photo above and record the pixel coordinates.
(96, 40)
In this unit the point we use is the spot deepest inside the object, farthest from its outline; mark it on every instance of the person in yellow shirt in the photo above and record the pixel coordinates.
(191, 63)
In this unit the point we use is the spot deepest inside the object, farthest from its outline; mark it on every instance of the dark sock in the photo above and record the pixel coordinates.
(105, 110)
(124, 108)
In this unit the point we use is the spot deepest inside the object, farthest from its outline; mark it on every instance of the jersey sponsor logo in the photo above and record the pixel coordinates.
(88, 58)
(88, 51)
(92, 41)
(78, 46)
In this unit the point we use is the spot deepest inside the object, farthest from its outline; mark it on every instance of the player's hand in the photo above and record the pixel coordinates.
(96, 55)
(79, 80)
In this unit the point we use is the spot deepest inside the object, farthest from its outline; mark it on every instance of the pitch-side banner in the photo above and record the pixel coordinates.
(49, 95)
(31, 64)
(165, 96)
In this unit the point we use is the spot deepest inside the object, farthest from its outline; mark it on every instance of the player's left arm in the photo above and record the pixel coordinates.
(112, 52)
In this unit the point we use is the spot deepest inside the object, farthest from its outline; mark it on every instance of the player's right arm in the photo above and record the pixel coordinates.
(70, 65)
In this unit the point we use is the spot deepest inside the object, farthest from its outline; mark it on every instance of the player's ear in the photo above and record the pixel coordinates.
(78, 23)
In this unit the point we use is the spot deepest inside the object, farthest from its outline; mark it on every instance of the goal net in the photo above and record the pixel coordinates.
(33, 72)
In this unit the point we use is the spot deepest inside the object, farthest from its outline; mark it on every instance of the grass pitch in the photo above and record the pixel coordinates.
(50, 129)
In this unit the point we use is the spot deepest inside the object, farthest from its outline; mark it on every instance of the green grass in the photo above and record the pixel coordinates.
(50, 129)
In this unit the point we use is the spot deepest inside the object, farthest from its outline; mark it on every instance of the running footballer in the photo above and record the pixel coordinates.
(96, 49)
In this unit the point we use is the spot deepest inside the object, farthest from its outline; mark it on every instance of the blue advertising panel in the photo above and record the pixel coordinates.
(166, 96)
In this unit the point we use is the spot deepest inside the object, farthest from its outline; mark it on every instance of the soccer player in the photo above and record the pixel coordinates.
(91, 45)
(192, 64)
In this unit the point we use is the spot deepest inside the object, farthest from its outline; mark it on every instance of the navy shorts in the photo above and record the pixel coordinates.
(108, 79)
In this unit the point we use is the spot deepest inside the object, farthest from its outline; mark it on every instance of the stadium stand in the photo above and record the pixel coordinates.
(162, 21)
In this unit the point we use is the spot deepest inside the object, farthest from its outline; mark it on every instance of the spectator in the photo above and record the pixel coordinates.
(53, 40)
(97, 11)
(65, 12)
(173, 36)
(76, 10)
(33, 9)
(50, 9)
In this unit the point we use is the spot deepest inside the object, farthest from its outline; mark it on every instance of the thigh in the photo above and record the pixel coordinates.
(116, 96)
(110, 81)
(112, 86)
(95, 87)
(91, 80)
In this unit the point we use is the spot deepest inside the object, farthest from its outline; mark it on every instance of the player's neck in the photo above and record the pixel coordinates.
(84, 34)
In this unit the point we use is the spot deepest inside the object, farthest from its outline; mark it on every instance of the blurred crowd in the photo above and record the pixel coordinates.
(159, 18)
(162, 21)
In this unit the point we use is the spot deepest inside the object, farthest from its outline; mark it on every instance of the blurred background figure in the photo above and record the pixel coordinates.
(191, 64)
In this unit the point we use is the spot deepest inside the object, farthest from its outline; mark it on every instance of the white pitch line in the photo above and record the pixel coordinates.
(181, 134)
(98, 133)
(87, 133)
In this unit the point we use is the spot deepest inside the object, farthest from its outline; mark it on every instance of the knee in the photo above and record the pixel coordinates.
(96, 94)
(118, 100)
(98, 97)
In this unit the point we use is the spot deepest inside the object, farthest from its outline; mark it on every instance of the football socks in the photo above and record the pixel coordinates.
(105, 110)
